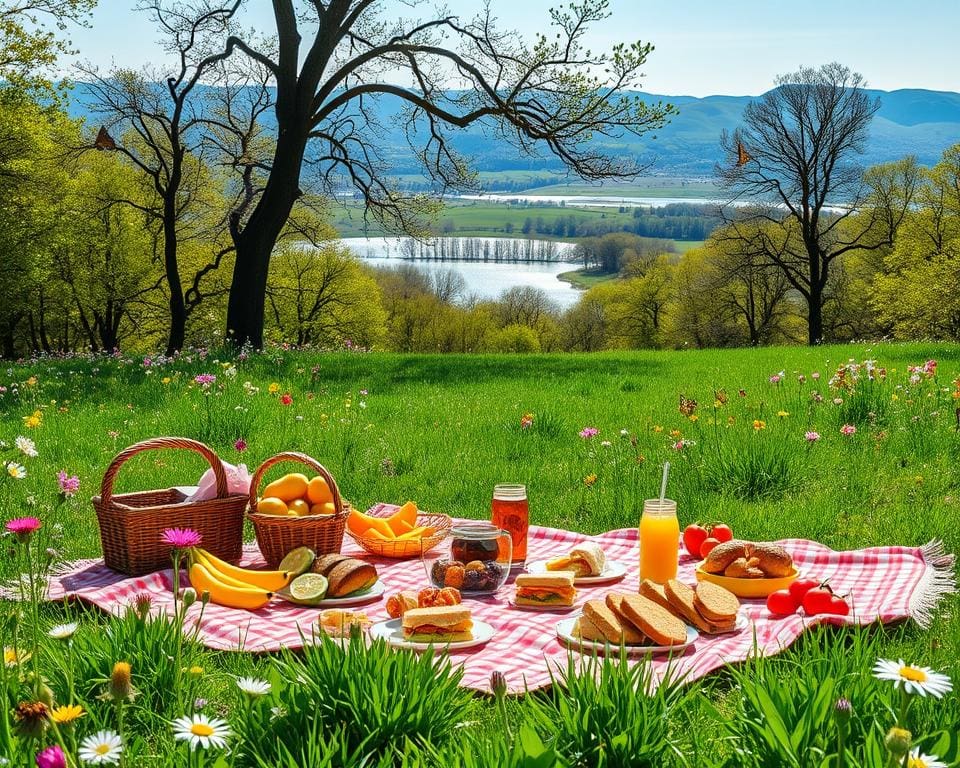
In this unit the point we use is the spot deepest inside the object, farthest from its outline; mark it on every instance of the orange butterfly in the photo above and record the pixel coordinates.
(104, 140)
(743, 157)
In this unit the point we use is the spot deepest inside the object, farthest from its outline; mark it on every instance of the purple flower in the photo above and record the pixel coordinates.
(52, 757)
(587, 432)
(240, 445)
(205, 379)
(848, 429)
(68, 484)
(181, 538)
(776, 378)
(811, 437)
(24, 527)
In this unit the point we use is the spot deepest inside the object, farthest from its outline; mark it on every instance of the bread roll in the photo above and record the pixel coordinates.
(723, 554)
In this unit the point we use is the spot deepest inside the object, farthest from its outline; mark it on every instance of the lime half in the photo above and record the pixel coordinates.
(307, 589)
(297, 561)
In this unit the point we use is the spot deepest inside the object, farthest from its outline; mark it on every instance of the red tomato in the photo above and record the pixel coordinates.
(693, 537)
(781, 603)
(820, 600)
(839, 606)
(708, 544)
(800, 587)
(721, 532)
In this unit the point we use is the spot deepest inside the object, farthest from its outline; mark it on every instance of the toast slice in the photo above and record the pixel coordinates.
(632, 635)
(587, 630)
(653, 591)
(655, 621)
(681, 601)
(609, 623)
(716, 604)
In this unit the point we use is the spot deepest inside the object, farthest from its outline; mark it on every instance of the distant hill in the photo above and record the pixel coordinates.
(914, 121)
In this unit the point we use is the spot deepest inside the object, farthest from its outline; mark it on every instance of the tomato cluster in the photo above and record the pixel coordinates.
(814, 597)
(699, 540)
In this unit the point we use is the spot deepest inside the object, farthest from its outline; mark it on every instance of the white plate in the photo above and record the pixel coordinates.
(392, 632)
(565, 633)
(612, 571)
(374, 593)
(541, 608)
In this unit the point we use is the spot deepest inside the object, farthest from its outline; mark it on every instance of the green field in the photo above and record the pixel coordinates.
(582, 278)
(443, 430)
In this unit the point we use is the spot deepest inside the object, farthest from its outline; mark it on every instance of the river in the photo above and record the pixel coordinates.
(485, 279)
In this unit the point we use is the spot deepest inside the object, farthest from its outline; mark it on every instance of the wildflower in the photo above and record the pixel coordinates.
(32, 381)
(252, 687)
(894, 397)
(188, 597)
(201, 731)
(674, 433)
(742, 392)
(759, 424)
(838, 401)
(66, 714)
(51, 757)
(783, 414)
(120, 686)
(63, 631)
(801, 378)
(590, 479)
(498, 683)
(205, 379)
(26, 446)
(273, 388)
(587, 432)
(526, 421)
(31, 718)
(843, 709)
(165, 380)
(142, 604)
(230, 372)
(918, 760)
(16, 471)
(195, 671)
(181, 538)
(199, 702)
(286, 399)
(605, 443)
(12, 657)
(657, 429)
(624, 433)
(848, 429)
(897, 742)
(930, 367)
(69, 485)
(34, 420)
(23, 527)
(815, 375)
(683, 443)
(240, 445)
(776, 378)
(693, 417)
(922, 680)
(720, 398)
(687, 406)
(811, 436)
(102, 748)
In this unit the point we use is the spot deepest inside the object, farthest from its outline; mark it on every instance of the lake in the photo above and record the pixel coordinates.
(486, 279)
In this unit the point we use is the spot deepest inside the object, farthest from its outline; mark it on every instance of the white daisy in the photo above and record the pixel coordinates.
(924, 761)
(63, 631)
(26, 446)
(201, 731)
(102, 748)
(252, 687)
(922, 680)
(16, 471)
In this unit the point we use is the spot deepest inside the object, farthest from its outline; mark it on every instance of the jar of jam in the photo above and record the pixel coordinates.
(476, 560)
(509, 511)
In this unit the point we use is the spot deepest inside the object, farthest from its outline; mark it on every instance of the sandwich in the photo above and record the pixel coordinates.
(655, 621)
(439, 624)
(586, 559)
(345, 575)
(600, 623)
(554, 588)
(337, 622)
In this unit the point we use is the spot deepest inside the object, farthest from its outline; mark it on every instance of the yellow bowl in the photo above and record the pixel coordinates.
(755, 588)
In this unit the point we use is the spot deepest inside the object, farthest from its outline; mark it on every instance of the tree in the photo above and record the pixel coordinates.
(795, 156)
(545, 94)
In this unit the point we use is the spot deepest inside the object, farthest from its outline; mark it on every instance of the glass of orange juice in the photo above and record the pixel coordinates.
(659, 540)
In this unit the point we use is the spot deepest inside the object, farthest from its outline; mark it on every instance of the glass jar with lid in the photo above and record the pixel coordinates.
(474, 558)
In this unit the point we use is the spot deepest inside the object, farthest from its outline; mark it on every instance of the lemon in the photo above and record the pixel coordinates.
(297, 561)
(306, 589)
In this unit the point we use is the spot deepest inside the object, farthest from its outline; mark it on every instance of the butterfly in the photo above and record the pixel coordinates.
(743, 157)
(720, 395)
(104, 140)
(687, 407)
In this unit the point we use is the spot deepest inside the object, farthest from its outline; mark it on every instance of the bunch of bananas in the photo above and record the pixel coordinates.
(232, 586)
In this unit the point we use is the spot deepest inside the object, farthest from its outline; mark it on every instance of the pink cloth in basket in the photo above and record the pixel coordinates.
(885, 584)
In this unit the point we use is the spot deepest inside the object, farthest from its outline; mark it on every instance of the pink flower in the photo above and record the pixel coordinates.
(811, 437)
(24, 527)
(526, 421)
(181, 538)
(776, 378)
(286, 399)
(205, 379)
(930, 367)
(240, 445)
(587, 432)
(815, 375)
(68, 484)
(848, 429)
(52, 757)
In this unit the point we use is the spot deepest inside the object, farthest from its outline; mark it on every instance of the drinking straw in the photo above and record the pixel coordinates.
(663, 483)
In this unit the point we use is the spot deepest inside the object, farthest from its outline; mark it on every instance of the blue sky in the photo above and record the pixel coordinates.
(702, 47)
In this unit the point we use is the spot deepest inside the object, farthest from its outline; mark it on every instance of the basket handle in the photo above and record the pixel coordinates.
(311, 462)
(185, 443)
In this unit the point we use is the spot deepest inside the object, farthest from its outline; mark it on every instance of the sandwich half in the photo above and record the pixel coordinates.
(554, 588)
(440, 624)
(586, 559)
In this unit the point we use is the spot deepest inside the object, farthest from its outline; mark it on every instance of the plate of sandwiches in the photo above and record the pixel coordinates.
(551, 591)
(588, 562)
(448, 626)
(712, 609)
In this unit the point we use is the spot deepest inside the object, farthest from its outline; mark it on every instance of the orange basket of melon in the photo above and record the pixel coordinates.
(389, 531)
(296, 510)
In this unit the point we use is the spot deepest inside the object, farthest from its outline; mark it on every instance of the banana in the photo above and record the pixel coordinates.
(221, 593)
(269, 580)
(219, 575)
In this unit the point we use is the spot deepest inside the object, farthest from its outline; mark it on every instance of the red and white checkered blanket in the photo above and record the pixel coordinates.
(884, 584)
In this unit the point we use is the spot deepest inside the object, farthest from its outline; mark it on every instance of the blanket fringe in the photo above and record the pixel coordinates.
(938, 581)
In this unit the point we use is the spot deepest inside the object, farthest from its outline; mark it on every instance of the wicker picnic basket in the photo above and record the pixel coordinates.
(277, 535)
(132, 524)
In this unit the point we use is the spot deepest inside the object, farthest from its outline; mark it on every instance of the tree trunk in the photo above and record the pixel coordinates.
(815, 317)
(178, 308)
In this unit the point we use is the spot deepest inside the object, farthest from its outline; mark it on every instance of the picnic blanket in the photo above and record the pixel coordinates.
(884, 584)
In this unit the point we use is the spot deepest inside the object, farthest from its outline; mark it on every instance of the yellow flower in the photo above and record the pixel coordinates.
(66, 714)
(783, 414)
(894, 397)
(32, 381)
(759, 424)
(918, 479)
(658, 428)
(674, 433)
(196, 671)
(12, 657)
(273, 388)
(693, 417)
(120, 687)
(731, 421)
(717, 404)
(589, 480)
(165, 380)
(33, 420)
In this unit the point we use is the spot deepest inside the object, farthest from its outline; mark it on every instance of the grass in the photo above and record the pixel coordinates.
(390, 427)
(586, 278)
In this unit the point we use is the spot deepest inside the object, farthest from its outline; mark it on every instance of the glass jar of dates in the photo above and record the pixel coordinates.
(475, 559)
